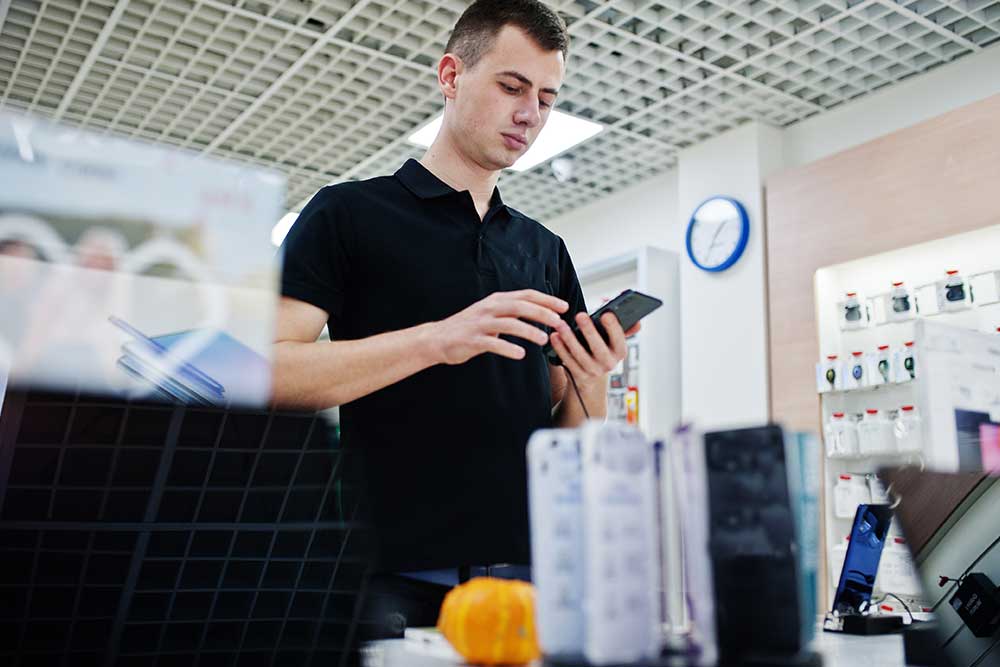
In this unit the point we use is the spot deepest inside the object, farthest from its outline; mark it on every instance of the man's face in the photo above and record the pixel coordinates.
(501, 104)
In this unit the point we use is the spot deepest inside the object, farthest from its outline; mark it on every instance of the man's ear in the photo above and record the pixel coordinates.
(449, 68)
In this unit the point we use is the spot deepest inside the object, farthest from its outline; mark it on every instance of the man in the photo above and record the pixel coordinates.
(439, 298)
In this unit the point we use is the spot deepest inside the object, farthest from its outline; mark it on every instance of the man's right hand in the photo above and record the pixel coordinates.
(477, 329)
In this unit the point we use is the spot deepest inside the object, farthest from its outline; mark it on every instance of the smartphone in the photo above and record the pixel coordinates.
(864, 551)
(629, 306)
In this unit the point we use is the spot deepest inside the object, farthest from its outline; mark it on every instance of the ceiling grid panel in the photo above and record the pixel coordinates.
(70, 17)
(287, 75)
(330, 90)
(107, 29)
(292, 47)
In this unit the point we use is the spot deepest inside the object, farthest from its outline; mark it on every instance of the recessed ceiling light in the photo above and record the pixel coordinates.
(281, 229)
(561, 132)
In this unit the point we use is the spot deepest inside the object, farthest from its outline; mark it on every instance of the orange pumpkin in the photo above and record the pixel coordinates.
(491, 621)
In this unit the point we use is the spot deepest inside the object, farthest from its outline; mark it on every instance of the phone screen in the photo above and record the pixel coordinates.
(857, 578)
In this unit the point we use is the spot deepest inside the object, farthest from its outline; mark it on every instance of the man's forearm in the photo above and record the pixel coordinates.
(323, 374)
(570, 414)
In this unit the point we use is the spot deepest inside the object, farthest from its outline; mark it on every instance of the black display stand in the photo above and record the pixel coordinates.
(804, 659)
(137, 533)
(922, 644)
(871, 625)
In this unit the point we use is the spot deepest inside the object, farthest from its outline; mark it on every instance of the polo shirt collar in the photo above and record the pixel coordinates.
(421, 182)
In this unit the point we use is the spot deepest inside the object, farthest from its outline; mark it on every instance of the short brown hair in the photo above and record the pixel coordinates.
(479, 25)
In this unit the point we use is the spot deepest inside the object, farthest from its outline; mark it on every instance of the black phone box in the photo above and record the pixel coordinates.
(752, 545)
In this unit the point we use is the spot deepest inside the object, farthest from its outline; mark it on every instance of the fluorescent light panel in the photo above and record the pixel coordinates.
(561, 132)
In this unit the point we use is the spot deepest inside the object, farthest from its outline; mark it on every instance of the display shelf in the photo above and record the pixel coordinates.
(655, 369)
(871, 389)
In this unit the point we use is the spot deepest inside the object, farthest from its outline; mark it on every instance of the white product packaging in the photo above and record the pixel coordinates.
(905, 363)
(875, 434)
(897, 572)
(689, 480)
(880, 369)
(850, 491)
(838, 554)
(828, 375)
(555, 502)
(877, 490)
(852, 313)
(621, 572)
(953, 293)
(855, 376)
(901, 304)
(841, 436)
(908, 430)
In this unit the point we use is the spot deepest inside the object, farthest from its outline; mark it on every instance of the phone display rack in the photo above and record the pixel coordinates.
(153, 534)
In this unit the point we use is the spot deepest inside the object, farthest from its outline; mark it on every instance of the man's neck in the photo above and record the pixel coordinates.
(444, 161)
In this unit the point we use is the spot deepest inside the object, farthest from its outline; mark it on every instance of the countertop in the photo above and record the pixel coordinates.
(838, 650)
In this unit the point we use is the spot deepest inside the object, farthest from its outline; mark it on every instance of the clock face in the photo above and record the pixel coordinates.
(717, 234)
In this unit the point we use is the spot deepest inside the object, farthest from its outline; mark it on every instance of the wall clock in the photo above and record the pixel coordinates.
(717, 233)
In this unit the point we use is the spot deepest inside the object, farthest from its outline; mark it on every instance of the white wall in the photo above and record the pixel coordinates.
(724, 317)
(644, 214)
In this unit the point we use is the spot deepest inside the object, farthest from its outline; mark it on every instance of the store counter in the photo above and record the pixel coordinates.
(837, 651)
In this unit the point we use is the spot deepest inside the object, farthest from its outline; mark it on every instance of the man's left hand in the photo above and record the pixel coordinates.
(591, 367)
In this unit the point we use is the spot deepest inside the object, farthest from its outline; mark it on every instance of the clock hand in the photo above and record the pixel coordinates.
(717, 231)
(715, 237)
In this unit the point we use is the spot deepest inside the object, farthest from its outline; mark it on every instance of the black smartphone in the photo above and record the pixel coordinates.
(629, 307)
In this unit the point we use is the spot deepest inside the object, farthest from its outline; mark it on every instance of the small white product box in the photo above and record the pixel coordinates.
(855, 371)
(621, 569)
(880, 371)
(852, 312)
(555, 502)
(841, 435)
(850, 491)
(875, 434)
(828, 375)
(901, 305)
(896, 571)
(905, 362)
(908, 429)
(953, 292)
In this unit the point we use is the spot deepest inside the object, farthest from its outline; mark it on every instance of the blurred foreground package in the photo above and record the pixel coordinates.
(134, 270)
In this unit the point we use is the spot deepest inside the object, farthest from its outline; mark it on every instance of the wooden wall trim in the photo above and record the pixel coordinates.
(929, 181)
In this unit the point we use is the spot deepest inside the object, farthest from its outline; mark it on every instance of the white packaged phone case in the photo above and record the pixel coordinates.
(621, 573)
(897, 572)
(854, 369)
(880, 369)
(556, 512)
(905, 364)
(850, 491)
(828, 375)
(689, 480)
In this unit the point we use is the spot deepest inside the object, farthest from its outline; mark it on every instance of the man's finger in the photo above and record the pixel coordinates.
(502, 347)
(542, 299)
(530, 311)
(599, 351)
(515, 327)
(567, 359)
(633, 330)
(582, 357)
(616, 336)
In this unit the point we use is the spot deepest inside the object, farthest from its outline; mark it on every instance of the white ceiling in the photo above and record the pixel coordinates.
(329, 90)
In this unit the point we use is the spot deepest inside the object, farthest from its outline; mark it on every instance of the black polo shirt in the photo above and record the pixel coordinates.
(443, 450)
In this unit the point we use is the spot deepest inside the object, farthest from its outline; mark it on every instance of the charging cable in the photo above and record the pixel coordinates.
(577, 390)
(898, 599)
